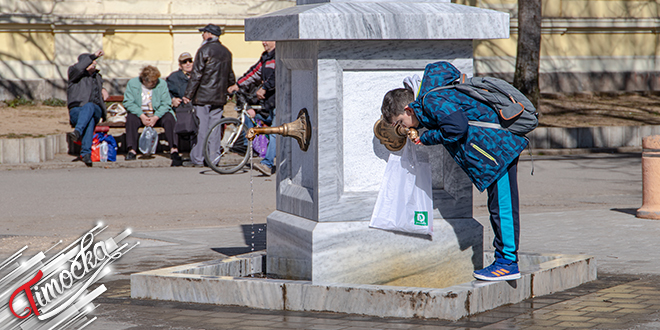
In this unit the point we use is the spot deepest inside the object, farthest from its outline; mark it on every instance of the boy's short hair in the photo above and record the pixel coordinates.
(394, 103)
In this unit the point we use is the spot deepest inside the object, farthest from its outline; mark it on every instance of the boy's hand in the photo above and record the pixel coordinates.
(417, 141)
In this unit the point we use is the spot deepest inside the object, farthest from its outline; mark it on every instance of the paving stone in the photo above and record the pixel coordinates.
(326, 321)
(620, 295)
(634, 306)
(599, 309)
(400, 326)
(572, 318)
(584, 325)
(361, 324)
(623, 311)
(221, 321)
(545, 323)
(193, 313)
(227, 315)
(609, 320)
(570, 313)
(325, 327)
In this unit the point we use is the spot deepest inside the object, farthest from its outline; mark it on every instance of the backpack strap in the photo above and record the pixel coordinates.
(485, 124)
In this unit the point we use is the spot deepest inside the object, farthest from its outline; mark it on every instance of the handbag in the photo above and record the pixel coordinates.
(187, 122)
(405, 200)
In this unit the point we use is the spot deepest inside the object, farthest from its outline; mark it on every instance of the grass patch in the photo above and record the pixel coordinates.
(54, 102)
(20, 136)
(18, 102)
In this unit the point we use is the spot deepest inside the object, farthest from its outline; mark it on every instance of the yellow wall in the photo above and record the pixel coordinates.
(235, 42)
(579, 8)
(27, 46)
(606, 8)
(138, 46)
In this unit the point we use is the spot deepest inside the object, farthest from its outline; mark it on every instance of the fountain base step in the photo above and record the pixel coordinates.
(229, 282)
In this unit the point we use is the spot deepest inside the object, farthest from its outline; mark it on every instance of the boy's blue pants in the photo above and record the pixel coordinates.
(504, 213)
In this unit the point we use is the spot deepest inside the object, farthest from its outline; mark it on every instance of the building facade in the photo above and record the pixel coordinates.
(40, 39)
(586, 45)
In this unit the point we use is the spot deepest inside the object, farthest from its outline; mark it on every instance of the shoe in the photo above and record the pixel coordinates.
(87, 159)
(176, 159)
(130, 156)
(191, 164)
(500, 270)
(265, 170)
(74, 136)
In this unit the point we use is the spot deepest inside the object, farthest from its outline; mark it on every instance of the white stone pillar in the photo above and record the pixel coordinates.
(338, 59)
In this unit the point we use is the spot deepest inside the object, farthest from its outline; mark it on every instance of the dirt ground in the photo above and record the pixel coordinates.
(556, 111)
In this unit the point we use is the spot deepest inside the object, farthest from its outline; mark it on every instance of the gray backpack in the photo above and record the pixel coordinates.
(516, 113)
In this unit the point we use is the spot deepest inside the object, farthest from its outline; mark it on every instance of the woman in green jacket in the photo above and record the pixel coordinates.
(148, 103)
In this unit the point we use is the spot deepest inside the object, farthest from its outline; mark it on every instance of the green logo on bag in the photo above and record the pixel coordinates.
(421, 218)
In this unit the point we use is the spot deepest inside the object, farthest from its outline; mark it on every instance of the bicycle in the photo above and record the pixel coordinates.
(233, 150)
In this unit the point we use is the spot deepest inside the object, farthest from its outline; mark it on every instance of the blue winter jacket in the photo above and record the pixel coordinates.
(483, 153)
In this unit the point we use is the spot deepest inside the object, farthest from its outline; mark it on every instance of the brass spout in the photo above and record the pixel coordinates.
(393, 137)
(300, 129)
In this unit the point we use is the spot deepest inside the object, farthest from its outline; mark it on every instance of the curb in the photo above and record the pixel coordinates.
(25, 153)
(611, 137)
(32, 150)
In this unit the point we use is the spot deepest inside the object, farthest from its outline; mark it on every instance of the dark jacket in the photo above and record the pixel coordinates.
(84, 87)
(262, 72)
(212, 74)
(177, 82)
(483, 153)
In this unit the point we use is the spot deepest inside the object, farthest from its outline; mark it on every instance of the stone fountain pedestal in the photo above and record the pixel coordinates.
(337, 59)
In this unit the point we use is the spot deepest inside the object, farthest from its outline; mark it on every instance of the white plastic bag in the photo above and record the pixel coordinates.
(405, 200)
(148, 141)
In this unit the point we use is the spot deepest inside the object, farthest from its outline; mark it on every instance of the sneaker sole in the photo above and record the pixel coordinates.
(501, 278)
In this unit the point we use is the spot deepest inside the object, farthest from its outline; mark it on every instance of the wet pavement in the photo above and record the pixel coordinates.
(575, 204)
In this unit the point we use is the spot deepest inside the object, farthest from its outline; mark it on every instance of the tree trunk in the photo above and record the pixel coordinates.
(526, 78)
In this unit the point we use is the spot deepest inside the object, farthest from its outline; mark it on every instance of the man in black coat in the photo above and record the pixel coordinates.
(85, 99)
(212, 74)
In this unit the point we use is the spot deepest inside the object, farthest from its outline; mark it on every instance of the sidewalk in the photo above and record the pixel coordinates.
(572, 204)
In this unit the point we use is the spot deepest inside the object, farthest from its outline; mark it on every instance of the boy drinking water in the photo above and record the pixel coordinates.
(488, 155)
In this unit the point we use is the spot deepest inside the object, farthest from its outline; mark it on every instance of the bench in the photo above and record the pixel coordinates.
(105, 126)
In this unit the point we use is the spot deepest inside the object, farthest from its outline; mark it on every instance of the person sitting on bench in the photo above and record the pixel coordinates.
(148, 103)
(84, 98)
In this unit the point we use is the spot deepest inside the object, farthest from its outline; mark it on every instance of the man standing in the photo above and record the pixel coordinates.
(211, 75)
(85, 99)
(262, 74)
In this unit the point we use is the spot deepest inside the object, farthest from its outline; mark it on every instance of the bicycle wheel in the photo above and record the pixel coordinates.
(226, 149)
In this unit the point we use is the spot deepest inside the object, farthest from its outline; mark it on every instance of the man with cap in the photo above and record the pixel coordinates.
(85, 99)
(211, 75)
(177, 81)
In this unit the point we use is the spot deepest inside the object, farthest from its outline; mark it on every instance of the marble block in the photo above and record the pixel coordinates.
(351, 252)
(341, 84)
(384, 20)
(309, 2)
(210, 283)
